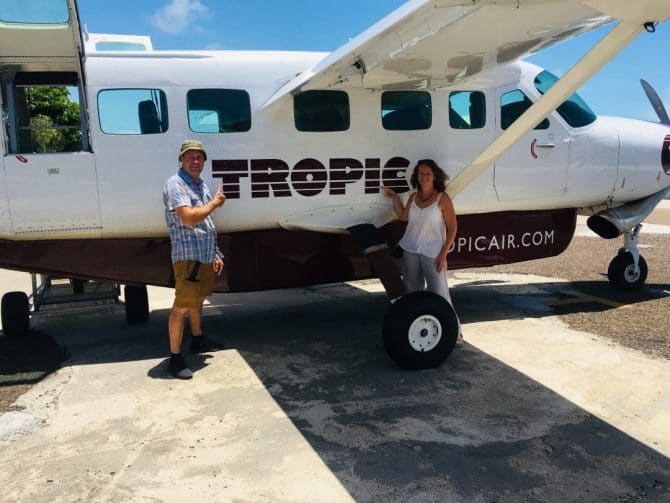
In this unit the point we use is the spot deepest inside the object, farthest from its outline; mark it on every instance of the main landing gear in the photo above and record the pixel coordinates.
(15, 306)
(420, 328)
(15, 313)
(628, 270)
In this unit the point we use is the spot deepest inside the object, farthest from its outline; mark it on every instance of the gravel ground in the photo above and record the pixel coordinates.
(644, 323)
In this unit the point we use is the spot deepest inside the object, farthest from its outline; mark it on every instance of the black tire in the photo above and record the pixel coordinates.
(621, 273)
(15, 312)
(411, 329)
(137, 304)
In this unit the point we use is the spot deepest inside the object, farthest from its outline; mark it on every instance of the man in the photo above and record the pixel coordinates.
(196, 258)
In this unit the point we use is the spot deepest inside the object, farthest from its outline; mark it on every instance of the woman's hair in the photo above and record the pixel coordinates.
(440, 176)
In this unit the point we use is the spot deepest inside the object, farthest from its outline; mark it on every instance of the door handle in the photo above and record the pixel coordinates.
(544, 145)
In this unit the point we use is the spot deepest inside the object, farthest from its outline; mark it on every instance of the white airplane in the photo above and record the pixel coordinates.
(302, 143)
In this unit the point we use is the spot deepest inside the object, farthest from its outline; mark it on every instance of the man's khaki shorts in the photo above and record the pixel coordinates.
(193, 282)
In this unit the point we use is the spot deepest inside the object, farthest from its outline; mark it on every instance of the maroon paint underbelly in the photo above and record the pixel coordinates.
(264, 260)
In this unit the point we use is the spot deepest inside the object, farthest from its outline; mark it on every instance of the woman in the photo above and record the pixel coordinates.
(431, 229)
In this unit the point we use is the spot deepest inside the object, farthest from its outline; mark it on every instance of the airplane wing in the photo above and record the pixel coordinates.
(428, 44)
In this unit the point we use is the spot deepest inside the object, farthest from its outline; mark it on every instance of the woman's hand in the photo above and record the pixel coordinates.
(441, 261)
(389, 192)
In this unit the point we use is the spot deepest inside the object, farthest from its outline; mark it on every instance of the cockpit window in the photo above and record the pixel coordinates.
(512, 105)
(34, 11)
(574, 110)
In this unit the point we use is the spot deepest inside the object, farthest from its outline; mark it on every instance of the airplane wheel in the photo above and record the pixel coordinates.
(15, 312)
(420, 330)
(137, 304)
(621, 272)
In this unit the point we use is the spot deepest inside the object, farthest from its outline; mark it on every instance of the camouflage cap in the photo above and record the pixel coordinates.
(192, 145)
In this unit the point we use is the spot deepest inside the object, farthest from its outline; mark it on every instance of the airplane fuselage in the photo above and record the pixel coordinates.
(279, 177)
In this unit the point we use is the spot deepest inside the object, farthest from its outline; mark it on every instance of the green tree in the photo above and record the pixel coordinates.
(48, 109)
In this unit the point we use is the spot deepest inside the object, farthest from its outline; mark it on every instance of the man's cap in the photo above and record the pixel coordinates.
(192, 145)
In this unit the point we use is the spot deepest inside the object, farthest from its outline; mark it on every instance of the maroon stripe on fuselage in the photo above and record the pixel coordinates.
(270, 259)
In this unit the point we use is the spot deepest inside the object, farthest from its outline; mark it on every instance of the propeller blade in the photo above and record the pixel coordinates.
(655, 102)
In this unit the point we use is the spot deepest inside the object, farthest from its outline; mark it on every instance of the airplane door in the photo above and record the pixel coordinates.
(53, 193)
(50, 172)
(535, 168)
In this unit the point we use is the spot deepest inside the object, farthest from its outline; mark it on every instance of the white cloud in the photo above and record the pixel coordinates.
(177, 15)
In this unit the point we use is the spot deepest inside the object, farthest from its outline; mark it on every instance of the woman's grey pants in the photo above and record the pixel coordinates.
(419, 271)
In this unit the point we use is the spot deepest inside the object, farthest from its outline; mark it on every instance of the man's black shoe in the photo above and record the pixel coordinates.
(178, 368)
(201, 344)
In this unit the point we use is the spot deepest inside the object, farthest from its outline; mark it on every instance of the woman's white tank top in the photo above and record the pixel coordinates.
(426, 231)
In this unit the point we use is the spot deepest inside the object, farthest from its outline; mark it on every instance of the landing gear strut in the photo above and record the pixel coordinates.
(628, 270)
(137, 304)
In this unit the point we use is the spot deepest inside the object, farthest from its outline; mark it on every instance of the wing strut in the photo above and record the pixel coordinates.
(610, 45)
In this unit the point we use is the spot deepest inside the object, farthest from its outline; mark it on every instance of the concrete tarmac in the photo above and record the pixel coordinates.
(304, 405)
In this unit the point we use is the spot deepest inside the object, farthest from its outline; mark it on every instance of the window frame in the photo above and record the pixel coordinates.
(400, 111)
(539, 127)
(469, 125)
(214, 89)
(346, 119)
(162, 97)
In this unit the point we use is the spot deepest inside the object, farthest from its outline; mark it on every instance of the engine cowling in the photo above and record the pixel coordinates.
(613, 222)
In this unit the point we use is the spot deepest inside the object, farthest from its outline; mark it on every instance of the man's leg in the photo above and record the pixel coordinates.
(184, 298)
(195, 319)
(176, 328)
(178, 366)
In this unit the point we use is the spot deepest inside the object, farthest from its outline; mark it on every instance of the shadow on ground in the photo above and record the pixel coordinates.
(474, 429)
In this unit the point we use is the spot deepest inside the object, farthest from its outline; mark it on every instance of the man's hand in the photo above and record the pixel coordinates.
(219, 197)
(218, 265)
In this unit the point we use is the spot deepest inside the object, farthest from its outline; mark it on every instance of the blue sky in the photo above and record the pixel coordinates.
(324, 25)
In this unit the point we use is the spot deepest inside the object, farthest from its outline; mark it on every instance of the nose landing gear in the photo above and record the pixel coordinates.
(628, 270)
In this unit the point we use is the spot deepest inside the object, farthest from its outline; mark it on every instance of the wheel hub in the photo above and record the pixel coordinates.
(425, 333)
(631, 274)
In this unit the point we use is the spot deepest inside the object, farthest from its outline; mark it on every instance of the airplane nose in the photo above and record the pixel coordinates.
(665, 155)
(644, 160)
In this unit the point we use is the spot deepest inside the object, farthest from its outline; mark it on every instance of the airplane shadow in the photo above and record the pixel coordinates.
(474, 429)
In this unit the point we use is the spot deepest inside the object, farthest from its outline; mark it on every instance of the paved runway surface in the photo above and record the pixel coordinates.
(304, 405)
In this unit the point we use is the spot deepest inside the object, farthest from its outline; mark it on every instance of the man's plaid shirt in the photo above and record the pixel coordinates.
(189, 242)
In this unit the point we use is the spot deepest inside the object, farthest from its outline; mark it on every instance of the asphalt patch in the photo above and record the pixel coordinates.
(24, 361)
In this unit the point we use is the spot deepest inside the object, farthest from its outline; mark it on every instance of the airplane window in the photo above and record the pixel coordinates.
(406, 110)
(321, 111)
(35, 11)
(132, 111)
(218, 110)
(467, 110)
(119, 46)
(512, 105)
(573, 110)
(48, 118)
